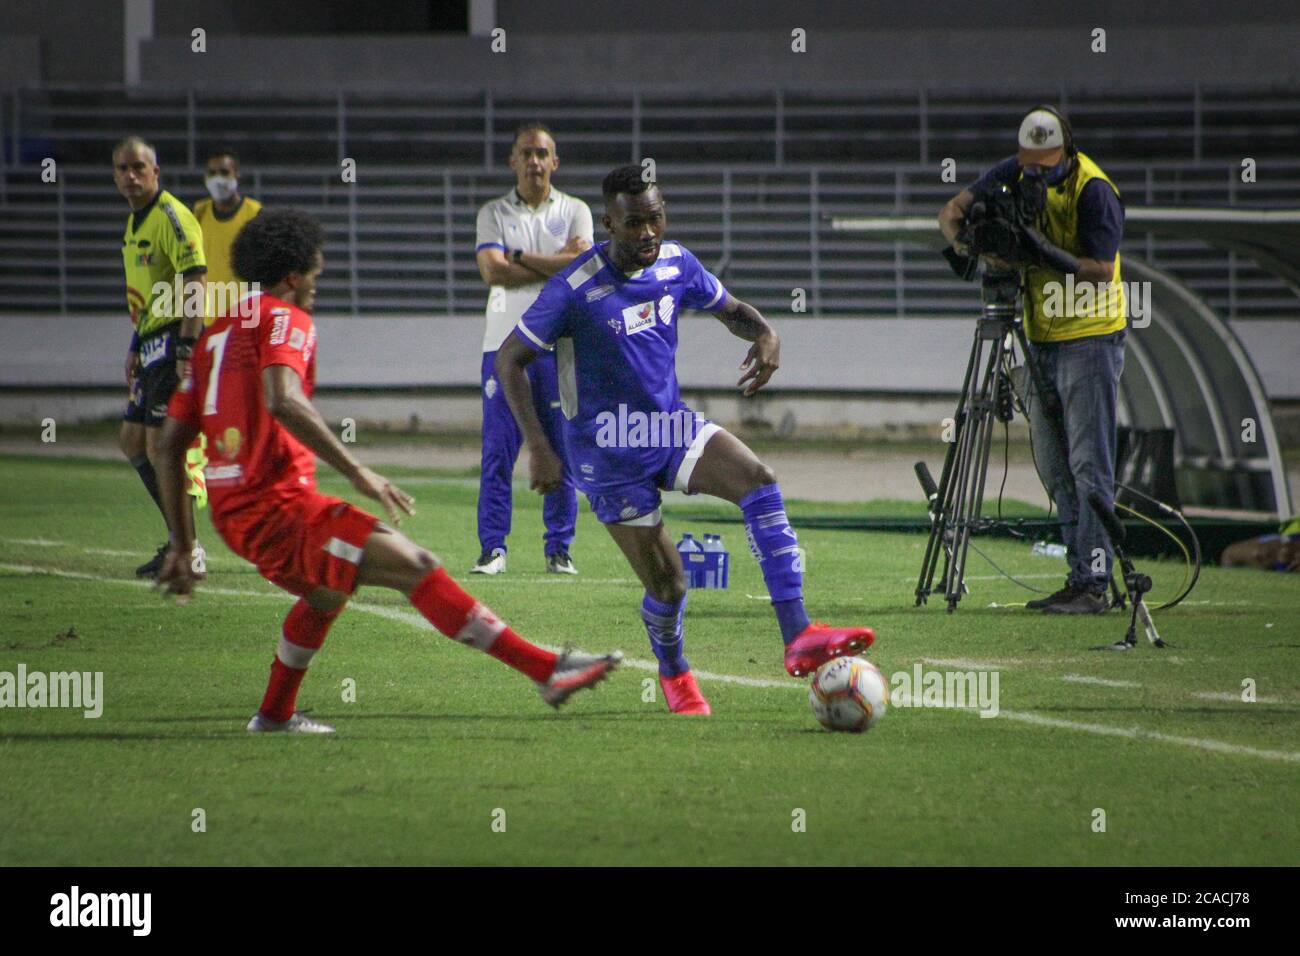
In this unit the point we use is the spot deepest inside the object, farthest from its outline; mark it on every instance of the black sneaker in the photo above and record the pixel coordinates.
(1065, 594)
(1083, 602)
(559, 562)
(490, 562)
(151, 567)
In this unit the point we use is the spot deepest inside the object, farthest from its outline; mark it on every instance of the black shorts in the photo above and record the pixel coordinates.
(156, 380)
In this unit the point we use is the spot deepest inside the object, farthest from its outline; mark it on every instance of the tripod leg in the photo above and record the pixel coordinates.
(974, 458)
(939, 519)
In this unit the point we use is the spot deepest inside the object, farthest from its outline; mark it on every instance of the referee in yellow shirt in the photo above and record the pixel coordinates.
(163, 258)
(221, 218)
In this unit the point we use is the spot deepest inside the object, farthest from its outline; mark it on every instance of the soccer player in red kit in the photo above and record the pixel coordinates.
(250, 394)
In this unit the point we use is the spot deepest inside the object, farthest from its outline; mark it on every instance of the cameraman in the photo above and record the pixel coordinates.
(1076, 333)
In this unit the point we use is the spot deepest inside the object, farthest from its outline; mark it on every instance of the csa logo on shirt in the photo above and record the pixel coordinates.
(599, 292)
(666, 305)
(555, 226)
(667, 272)
(638, 318)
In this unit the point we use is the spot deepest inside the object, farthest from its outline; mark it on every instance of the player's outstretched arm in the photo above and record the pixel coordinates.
(746, 322)
(176, 575)
(546, 472)
(286, 400)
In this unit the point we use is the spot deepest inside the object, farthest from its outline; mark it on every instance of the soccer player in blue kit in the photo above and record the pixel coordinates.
(610, 318)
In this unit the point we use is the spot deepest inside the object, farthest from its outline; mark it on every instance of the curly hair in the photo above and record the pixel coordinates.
(274, 244)
(625, 179)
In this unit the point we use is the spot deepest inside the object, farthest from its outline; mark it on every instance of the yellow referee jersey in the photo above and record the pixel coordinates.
(161, 241)
(219, 232)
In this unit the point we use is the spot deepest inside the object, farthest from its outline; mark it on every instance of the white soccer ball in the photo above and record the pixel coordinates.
(849, 694)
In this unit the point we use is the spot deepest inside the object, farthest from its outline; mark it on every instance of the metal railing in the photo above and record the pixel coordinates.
(774, 127)
(401, 239)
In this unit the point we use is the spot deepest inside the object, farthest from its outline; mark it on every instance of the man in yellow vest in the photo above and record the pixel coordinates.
(221, 218)
(1076, 318)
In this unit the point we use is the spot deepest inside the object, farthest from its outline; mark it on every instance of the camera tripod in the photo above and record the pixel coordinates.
(956, 501)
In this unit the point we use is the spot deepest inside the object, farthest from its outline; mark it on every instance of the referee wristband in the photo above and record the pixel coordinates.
(517, 255)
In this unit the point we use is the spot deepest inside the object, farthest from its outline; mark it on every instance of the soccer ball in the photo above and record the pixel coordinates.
(849, 694)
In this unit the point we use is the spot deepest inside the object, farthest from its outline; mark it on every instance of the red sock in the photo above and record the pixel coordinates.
(281, 691)
(303, 633)
(453, 612)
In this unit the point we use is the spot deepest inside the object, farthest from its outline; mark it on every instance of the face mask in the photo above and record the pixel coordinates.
(222, 188)
(1053, 176)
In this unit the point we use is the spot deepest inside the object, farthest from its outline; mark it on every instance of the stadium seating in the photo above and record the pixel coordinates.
(751, 182)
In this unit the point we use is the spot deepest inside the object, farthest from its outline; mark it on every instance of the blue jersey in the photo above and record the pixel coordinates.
(615, 339)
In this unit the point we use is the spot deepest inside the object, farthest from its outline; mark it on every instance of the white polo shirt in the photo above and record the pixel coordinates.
(508, 224)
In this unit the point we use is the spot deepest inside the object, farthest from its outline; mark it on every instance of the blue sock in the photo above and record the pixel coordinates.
(663, 622)
(773, 543)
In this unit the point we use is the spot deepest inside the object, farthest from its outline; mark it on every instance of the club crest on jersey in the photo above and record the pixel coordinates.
(666, 306)
(638, 318)
(615, 324)
(667, 272)
(297, 339)
(490, 387)
(229, 442)
(599, 292)
(555, 226)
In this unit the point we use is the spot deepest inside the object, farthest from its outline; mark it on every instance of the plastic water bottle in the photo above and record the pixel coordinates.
(718, 567)
(692, 555)
(1049, 550)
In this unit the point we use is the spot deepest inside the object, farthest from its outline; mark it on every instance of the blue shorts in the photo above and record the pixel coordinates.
(636, 501)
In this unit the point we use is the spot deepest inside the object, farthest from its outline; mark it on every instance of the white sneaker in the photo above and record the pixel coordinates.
(490, 562)
(560, 563)
(297, 724)
(574, 671)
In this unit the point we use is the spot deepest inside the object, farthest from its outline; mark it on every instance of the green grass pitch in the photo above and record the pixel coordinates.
(442, 742)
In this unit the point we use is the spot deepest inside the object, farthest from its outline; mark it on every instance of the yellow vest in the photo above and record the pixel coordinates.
(1058, 309)
(218, 238)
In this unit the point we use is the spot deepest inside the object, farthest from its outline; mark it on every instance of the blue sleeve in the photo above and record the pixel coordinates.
(703, 290)
(1101, 220)
(547, 319)
(1007, 171)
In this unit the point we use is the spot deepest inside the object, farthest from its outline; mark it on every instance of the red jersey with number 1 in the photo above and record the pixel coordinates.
(253, 460)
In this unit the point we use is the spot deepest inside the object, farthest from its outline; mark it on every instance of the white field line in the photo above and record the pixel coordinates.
(415, 620)
(380, 610)
(47, 543)
(965, 664)
(1099, 681)
(1234, 697)
(1138, 733)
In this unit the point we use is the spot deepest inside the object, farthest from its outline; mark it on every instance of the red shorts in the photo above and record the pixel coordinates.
(310, 541)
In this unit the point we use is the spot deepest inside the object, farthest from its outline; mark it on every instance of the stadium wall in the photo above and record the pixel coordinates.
(840, 372)
(573, 47)
(964, 59)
